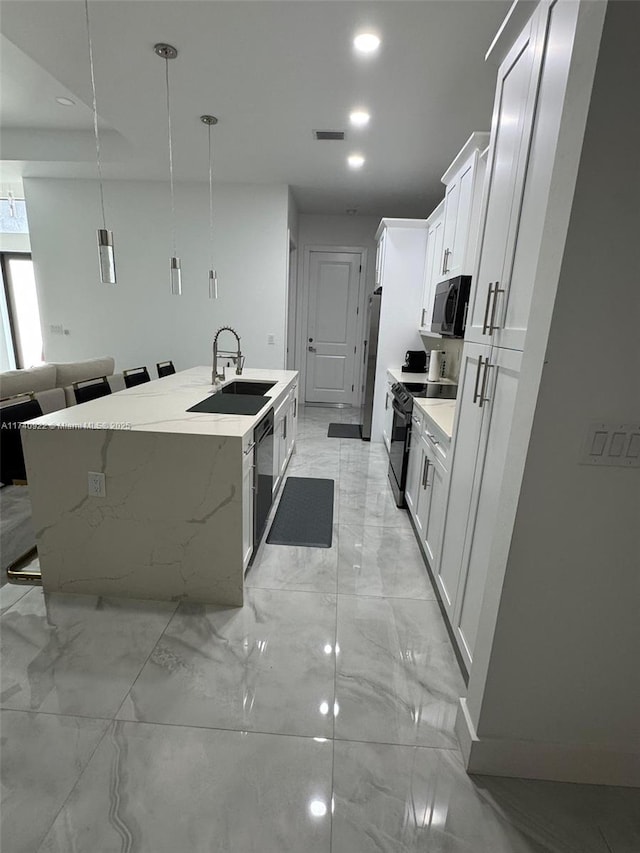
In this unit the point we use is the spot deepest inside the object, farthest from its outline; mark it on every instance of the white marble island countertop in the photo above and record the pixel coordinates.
(172, 515)
(161, 406)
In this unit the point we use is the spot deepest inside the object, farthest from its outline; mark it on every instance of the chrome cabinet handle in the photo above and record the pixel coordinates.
(492, 322)
(425, 471)
(432, 439)
(422, 321)
(416, 421)
(284, 428)
(485, 377)
(444, 261)
(386, 401)
(485, 324)
(477, 385)
(250, 448)
(295, 407)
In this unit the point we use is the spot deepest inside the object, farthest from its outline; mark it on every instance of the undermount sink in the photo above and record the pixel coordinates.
(251, 388)
(231, 404)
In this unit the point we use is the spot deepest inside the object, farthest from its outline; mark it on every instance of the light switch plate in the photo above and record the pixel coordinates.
(612, 443)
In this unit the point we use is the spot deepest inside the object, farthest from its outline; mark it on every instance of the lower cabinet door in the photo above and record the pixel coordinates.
(247, 510)
(424, 490)
(283, 443)
(461, 462)
(387, 425)
(411, 491)
(503, 374)
(437, 479)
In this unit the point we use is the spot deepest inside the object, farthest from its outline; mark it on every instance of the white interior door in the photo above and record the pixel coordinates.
(334, 283)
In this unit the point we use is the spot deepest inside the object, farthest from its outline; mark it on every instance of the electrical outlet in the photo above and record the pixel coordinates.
(271, 339)
(96, 485)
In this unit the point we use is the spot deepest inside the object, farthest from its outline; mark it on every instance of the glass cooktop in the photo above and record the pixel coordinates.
(431, 389)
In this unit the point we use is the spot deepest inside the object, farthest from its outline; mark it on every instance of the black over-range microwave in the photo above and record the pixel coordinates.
(450, 306)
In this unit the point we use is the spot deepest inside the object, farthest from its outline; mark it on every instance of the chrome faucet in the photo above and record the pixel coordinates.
(237, 358)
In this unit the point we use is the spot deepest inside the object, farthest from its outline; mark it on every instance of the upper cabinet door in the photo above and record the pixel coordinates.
(513, 116)
(432, 267)
(457, 220)
(380, 258)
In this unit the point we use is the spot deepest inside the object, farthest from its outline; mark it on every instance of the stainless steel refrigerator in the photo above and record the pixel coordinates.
(370, 357)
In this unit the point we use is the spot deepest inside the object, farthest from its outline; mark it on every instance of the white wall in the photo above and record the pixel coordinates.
(328, 231)
(138, 321)
(563, 667)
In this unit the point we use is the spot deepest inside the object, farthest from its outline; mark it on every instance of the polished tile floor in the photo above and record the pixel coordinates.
(317, 718)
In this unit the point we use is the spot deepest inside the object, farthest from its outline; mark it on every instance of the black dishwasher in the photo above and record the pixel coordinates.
(263, 476)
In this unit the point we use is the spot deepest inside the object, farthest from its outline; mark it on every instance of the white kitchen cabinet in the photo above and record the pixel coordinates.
(279, 443)
(387, 424)
(424, 491)
(413, 466)
(437, 486)
(285, 422)
(499, 304)
(382, 240)
(461, 464)
(248, 468)
(462, 205)
(292, 421)
(502, 373)
(432, 264)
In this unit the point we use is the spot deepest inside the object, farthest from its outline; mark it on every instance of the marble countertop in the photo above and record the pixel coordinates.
(161, 406)
(441, 412)
(397, 374)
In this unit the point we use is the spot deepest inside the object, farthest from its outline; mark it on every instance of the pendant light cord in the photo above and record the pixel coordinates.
(95, 113)
(210, 193)
(173, 207)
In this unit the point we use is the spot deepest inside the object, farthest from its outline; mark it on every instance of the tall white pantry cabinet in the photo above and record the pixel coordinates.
(536, 133)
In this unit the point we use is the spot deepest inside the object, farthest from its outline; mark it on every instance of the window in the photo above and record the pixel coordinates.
(22, 332)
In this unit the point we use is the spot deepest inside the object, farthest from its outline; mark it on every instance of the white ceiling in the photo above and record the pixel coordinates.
(272, 72)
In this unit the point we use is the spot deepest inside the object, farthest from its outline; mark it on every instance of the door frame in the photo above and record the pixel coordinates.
(303, 309)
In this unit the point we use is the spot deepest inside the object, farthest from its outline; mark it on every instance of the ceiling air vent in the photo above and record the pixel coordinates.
(325, 135)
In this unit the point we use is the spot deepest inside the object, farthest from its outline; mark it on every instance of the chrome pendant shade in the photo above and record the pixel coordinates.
(209, 121)
(106, 258)
(176, 276)
(167, 52)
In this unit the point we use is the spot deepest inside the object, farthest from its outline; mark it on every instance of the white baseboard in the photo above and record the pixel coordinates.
(555, 761)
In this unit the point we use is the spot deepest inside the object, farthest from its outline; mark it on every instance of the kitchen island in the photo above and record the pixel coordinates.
(175, 521)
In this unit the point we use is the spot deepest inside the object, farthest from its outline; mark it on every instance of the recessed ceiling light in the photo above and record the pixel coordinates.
(65, 102)
(366, 42)
(359, 118)
(355, 161)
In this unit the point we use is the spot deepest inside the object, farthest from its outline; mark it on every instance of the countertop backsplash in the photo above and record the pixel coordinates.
(453, 349)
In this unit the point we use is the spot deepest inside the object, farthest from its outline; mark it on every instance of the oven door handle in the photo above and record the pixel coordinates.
(396, 408)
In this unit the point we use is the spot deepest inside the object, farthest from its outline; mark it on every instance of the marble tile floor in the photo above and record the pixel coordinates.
(318, 717)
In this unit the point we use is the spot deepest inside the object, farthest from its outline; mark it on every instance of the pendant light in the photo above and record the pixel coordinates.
(106, 257)
(213, 276)
(167, 52)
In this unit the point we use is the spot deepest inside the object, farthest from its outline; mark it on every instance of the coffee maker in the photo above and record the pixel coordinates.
(415, 361)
